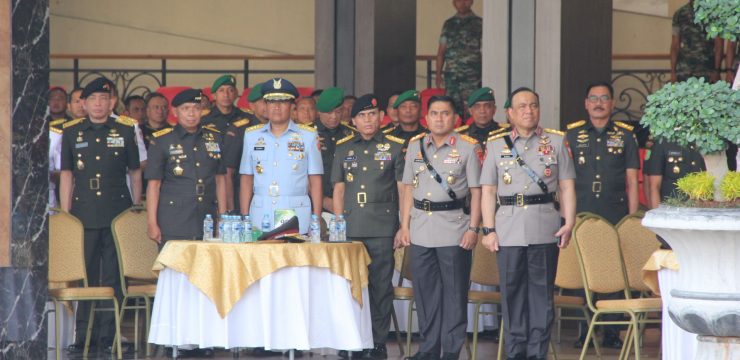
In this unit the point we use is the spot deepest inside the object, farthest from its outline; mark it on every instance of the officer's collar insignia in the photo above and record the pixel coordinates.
(277, 83)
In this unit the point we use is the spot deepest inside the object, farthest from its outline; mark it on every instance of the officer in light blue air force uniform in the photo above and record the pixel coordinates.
(281, 163)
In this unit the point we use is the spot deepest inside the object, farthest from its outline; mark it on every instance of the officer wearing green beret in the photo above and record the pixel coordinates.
(367, 174)
(408, 105)
(234, 144)
(98, 151)
(224, 113)
(330, 130)
(257, 103)
(482, 105)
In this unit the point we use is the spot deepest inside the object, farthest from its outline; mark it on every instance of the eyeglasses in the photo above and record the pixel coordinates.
(594, 98)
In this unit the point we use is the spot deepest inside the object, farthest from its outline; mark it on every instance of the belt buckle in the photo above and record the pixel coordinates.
(200, 189)
(596, 186)
(520, 200)
(274, 190)
(94, 184)
(426, 205)
(362, 197)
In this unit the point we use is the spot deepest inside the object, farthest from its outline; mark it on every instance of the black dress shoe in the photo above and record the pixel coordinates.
(612, 342)
(79, 347)
(422, 356)
(378, 352)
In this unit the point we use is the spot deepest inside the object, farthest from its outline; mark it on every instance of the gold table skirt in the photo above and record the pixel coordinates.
(224, 271)
(660, 259)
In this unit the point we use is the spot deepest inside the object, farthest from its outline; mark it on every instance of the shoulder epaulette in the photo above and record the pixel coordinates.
(254, 127)
(345, 139)
(624, 126)
(350, 127)
(72, 122)
(240, 123)
(462, 128)
(498, 136)
(55, 129)
(307, 127)
(469, 139)
(125, 120)
(57, 122)
(386, 131)
(162, 132)
(417, 137)
(212, 127)
(553, 131)
(394, 139)
(504, 125)
(494, 132)
(205, 112)
(247, 110)
(576, 124)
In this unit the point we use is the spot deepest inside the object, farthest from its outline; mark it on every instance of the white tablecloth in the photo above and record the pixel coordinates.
(292, 308)
(677, 344)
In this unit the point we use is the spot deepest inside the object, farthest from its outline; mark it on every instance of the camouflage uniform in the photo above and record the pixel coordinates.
(696, 52)
(462, 74)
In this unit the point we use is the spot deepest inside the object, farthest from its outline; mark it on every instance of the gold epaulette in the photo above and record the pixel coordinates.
(417, 137)
(240, 123)
(55, 129)
(345, 139)
(247, 110)
(390, 129)
(624, 126)
(57, 122)
(494, 132)
(125, 120)
(469, 139)
(462, 128)
(307, 127)
(394, 139)
(498, 136)
(576, 124)
(553, 131)
(504, 125)
(72, 122)
(162, 132)
(205, 112)
(212, 127)
(350, 127)
(254, 127)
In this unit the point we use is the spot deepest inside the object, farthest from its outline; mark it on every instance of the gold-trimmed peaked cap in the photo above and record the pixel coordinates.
(279, 89)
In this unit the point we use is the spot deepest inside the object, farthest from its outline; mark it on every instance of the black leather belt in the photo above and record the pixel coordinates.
(427, 205)
(521, 199)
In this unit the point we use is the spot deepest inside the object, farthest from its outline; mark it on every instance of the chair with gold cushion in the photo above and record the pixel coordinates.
(484, 271)
(401, 292)
(136, 256)
(603, 271)
(637, 243)
(67, 265)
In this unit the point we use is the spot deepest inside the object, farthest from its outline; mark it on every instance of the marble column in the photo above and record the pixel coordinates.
(24, 181)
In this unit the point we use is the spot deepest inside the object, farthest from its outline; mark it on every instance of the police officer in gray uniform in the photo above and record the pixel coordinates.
(524, 168)
(367, 173)
(441, 169)
(185, 174)
(98, 151)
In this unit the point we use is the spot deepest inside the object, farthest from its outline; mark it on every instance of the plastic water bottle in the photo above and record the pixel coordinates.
(208, 228)
(266, 223)
(226, 236)
(315, 229)
(246, 229)
(333, 229)
(238, 229)
(341, 229)
(221, 228)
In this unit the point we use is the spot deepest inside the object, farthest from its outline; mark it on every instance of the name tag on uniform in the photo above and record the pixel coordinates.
(259, 148)
(212, 147)
(449, 160)
(81, 145)
(115, 141)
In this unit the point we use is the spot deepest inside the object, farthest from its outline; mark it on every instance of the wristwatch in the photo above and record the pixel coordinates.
(488, 230)
(474, 229)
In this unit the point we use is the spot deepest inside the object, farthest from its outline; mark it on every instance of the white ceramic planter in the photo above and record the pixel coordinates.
(706, 299)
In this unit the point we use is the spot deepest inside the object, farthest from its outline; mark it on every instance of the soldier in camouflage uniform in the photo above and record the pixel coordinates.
(692, 54)
(459, 54)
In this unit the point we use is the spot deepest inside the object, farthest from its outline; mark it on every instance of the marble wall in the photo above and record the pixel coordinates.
(23, 284)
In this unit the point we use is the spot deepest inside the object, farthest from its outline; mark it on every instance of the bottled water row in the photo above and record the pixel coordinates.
(337, 228)
(231, 229)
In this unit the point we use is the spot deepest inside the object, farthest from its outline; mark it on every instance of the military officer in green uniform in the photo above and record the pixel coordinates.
(98, 151)
(482, 105)
(257, 103)
(330, 130)
(408, 105)
(224, 112)
(233, 146)
(523, 170)
(367, 174)
(667, 162)
(185, 174)
(441, 169)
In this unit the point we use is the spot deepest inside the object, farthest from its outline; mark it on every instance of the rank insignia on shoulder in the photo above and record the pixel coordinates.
(55, 129)
(498, 136)
(307, 127)
(345, 139)
(469, 139)
(394, 139)
(390, 129)
(624, 126)
(553, 131)
(57, 122)
(240, 123)
(125, 120)
(162, 132)
(462, 128)
(576, 124)
(417, 137)
(72, 122)
(212, 127)
(255, 127)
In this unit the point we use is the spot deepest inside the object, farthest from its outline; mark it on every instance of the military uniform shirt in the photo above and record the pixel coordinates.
(481, 134)
(545, 153)
(673, 162)
(458, 163)
(370, 171)
(222, 121)
(281, 166)
(328, 140)
(406, 135)
(186, 163)
(99, 156)
(147, 132)
(601, 160)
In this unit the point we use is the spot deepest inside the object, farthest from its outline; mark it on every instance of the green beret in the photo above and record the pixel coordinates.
(330, 99)
(223, 80)
(507, 104)
(255, 93)
(408, 95)
(482, 94)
